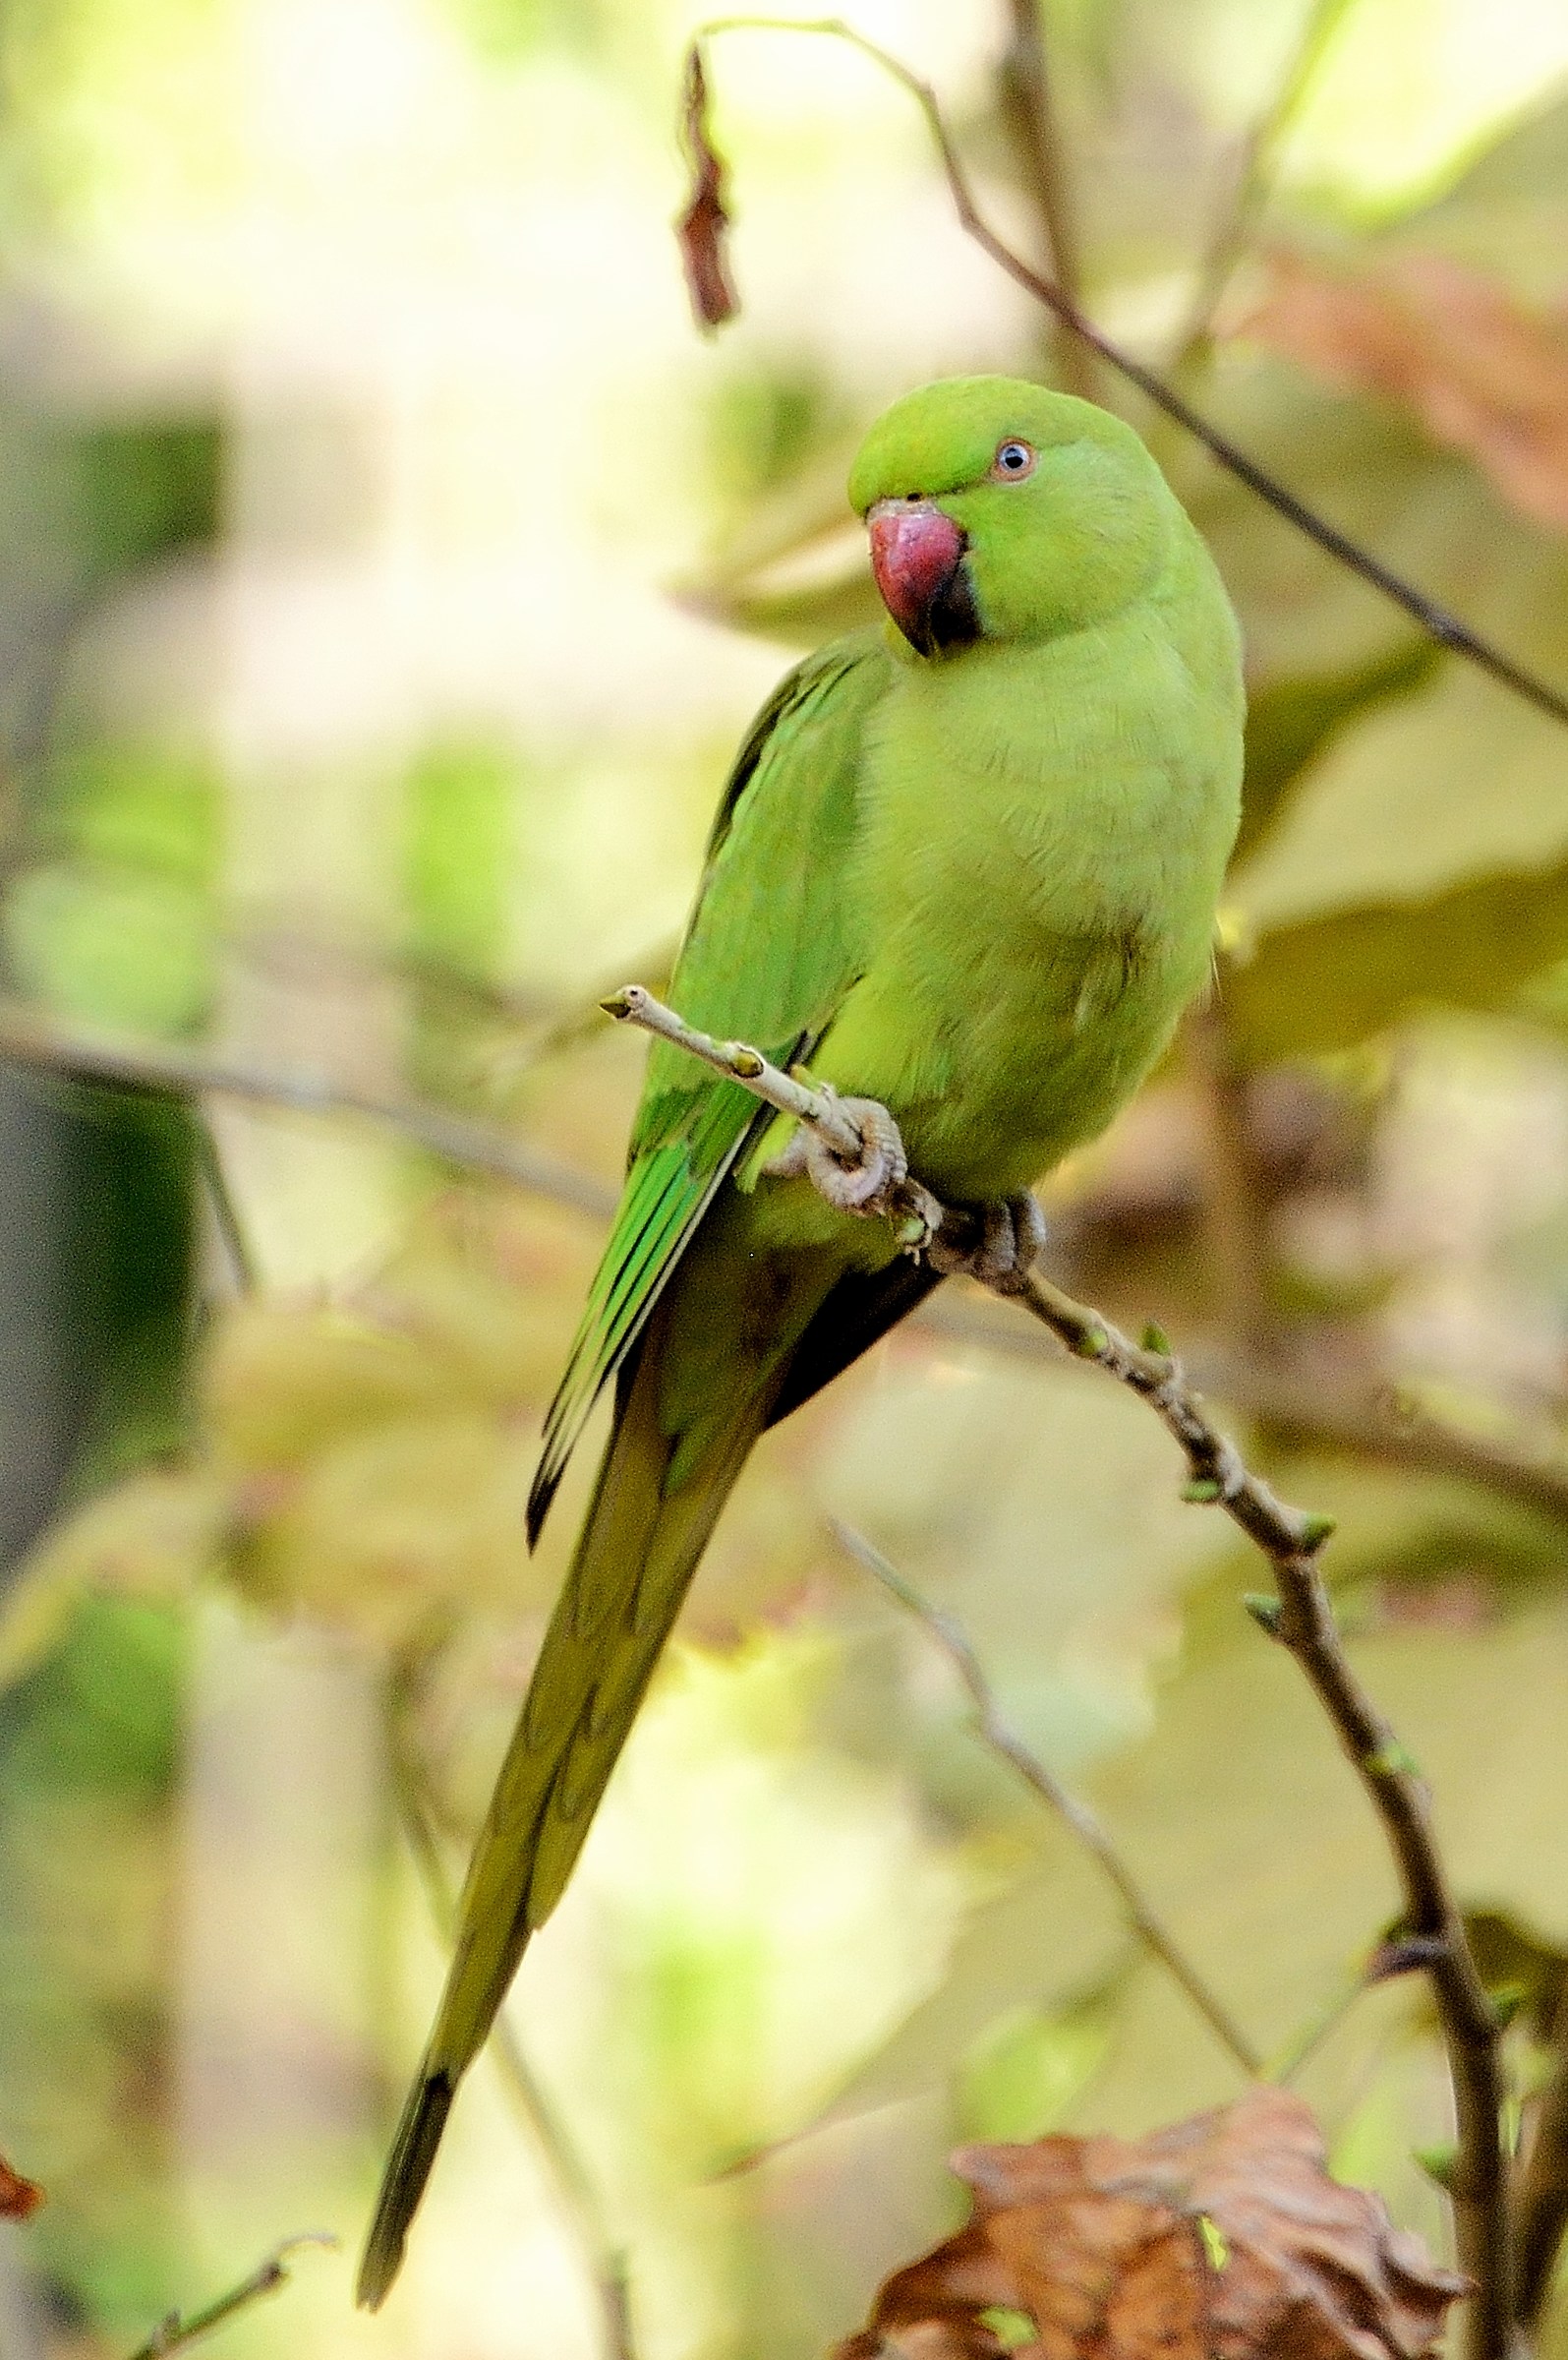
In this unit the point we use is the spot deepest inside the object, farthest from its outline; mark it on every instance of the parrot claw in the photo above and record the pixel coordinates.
(869, 1186)
(1012, 1234)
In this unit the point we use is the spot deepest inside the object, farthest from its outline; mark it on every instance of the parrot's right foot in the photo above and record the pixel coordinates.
(868, 1185)
(1012, 1235)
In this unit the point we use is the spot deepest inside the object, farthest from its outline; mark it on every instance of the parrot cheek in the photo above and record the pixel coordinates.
(917, 555)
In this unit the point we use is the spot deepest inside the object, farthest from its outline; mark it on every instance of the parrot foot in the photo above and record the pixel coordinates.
(1012, 1234)
(868, 1185)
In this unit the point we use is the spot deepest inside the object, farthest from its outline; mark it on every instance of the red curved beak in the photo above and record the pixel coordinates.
(916, 554)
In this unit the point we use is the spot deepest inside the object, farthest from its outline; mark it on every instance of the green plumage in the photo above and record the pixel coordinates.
(977, 885)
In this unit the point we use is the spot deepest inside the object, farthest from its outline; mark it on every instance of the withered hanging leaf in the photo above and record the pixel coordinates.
(19, 2198)
(1216, 2239)
(1483, 374)
(704, 225)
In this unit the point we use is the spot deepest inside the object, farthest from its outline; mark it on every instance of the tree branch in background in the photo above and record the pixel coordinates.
(1542, 2197)
(29, 1038)
(1301, 1617)
(954, 1641)
(177, 2332)
(605, 2262)
(1436, 620)
(1028, 108)
(1306, 1412)
(1297, 1411)
(227, 1227)
(1237, 224)
(1233, 1205)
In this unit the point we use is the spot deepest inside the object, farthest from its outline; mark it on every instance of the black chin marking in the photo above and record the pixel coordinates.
(952, 619)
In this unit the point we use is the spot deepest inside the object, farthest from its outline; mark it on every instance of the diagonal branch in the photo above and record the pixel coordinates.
(1144, 1921)
(1301, 1617)
(1434, 619)
(178, 2333)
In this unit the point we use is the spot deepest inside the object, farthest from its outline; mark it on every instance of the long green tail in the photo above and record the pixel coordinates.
(632, 1567)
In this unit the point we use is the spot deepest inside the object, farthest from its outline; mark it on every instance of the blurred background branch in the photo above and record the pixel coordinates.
(350, 735)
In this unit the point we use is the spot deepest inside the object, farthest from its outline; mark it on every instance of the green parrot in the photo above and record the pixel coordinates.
(967, 865)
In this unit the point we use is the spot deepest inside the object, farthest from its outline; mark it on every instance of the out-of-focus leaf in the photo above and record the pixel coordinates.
(1253, 1841)
(1085, 1522)
(801, 595)
(1508, 1955)
(703, 228)
(1333, 981)
(1508, 214)
(19, 2198)
(1482, 373)
(1222, 2234)
(90, 1748)
(1290, 723)
(1019, 2078)
(151, 1537)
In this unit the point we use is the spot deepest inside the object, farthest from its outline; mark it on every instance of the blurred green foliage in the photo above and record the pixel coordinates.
(822, 1929)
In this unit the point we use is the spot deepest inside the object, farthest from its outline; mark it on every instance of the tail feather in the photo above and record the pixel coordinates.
(629, 1575)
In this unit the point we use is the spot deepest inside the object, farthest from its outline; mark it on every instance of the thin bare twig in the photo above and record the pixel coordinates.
(1301, 1617)
(1146, 1923)
(176, 2332)
(226, 1222)
(1029, 107)
(1233, 231)
(29, 1038)
(1435, 620)
(605, 2262)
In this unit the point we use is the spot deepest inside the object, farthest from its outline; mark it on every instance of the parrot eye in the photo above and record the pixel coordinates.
(1013, 462)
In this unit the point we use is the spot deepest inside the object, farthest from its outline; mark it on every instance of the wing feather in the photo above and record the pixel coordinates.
(767, 957)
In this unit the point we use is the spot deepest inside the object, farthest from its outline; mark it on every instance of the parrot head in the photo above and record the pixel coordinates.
(1002, 511)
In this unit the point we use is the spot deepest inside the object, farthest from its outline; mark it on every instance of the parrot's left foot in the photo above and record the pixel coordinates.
(868, 1185)
(1012, 1235)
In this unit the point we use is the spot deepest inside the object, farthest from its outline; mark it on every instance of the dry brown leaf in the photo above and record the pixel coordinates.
(19, 2198)
(1216, 2239)
(703, 226)
(1483, 374)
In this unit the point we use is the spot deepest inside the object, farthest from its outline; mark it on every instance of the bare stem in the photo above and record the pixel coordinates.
(1436, 620)
(1029, 107)
(225, 1212)
(605, 2262)
(1233, 1201)
(1301, 1619)
(178, 2330)
(1144, 1921)
(29, 1038)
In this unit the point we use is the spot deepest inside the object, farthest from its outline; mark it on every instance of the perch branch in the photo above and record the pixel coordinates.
(176, 2332)
(1435, 620)
(29, 1038)
(1300, 1617)
(1146, 1923)
(604, 2263)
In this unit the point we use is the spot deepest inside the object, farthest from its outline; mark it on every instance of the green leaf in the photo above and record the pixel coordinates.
(1018, 2079)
